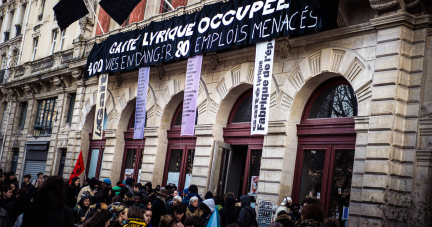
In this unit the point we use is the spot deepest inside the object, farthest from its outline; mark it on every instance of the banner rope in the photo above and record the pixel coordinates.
(97, 19)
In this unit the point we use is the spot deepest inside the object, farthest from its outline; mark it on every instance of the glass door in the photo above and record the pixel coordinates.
(174, 166)
(132, 162)
(188, 168)
(95, 162)
(179, 165)
(312, 174)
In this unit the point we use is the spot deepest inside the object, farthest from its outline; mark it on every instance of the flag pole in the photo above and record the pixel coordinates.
(91, 7)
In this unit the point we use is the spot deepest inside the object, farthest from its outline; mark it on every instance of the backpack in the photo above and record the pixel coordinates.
(254, 221)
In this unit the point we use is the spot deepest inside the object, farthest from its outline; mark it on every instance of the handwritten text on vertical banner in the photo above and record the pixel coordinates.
(193, 74)
(141, 103)
(100, 107)
(262, 87)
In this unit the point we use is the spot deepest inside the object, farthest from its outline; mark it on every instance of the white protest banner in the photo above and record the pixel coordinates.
(262, 87)
(100, 107)
(141, 103)
(193, 74)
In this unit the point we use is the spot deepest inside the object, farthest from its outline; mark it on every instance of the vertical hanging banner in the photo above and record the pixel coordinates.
(262, 87)
(193, 74)
(141, 103)
(100, 107)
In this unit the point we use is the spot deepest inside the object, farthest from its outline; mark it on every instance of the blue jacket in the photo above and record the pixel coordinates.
(186, 199)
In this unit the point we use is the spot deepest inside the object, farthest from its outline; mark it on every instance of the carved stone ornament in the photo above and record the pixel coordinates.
(384, 6)
(77, 73)
(425, 112)
(214, 60)
(284, 47)
(161, 71)
(86, 25)
(62, 143)
(65, 130)
(58, 82)
(119, 79)
(17, 133)
(29, 90)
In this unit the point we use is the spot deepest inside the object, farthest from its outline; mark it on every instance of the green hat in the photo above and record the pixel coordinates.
(116, 190)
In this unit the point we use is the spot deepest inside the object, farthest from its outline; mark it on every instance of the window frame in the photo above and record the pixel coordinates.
(35, 44)
(45, 117)
(23, 115)
(71, 108)
(54, 41)
(62, 39)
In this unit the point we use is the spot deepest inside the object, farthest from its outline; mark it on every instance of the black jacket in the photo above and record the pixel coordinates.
(229, 213)
(158, 209)
(247, 213)
(41, 213)
(71, 196)
(31, 190)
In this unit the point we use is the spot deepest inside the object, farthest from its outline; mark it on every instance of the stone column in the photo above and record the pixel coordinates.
(201, 171)
(388, 137)
(152, 8)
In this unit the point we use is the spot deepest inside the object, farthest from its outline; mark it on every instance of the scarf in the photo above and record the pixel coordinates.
(192, 208)
(135, 222)
(307, 222)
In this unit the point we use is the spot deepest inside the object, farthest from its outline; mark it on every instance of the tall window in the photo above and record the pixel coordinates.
(15, 159)
(54, 41)
(46, 115)
(35, 44)
(63, 37)
(41, 10)
(22, 115)
(62, 162)
(71, 108)
(11, 18)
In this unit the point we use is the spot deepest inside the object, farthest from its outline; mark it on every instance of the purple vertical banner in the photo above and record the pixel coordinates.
(193, 74)
(141, 103)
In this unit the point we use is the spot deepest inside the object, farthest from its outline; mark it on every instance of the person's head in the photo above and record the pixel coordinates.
(208, 195)
(93, 183)
(121, 212)
(158, 187)
(130, 181)
(331, 222)
(185, 192)
(27, 178)
(11, 175)
(219, 200)
(194, 201)
(45, 177)
(167, 221)
(312, 211)
(245, 200)
(169, 188)
(147, 215)
(84, 202)
(194, 221)
(176, 200)
(2, 177)
(104, 195)
(138, 198)
(100, 218)
(148, 186)
(106, 183)
(230, 202)
(179, 211)
(128, 199)
(86, 182)
(163, 193)
(208, 206)
(311, 201)
(193, 189)
(175, 193)
(6, 191)
(75, 182)
(21, 192)
(295, 208)
(135, 212)
(229, 194)
(13, 187)
(147, 203)
(137, 187)
(55, 187)
(40, 175)
(117, 198)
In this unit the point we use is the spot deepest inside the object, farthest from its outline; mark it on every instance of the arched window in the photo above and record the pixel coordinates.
(335, 101)
(179, 116)
(243, 112)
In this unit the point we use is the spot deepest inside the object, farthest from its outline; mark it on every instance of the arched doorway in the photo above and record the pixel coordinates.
(96, 152)
(180, 153)
(241, 154)
(133, 153)
(326, 146)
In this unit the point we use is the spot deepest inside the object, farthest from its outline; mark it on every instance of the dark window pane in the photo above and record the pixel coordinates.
(71, 108)
(312, 174)
(244, 111)
(15, 160)
(46, 115)
(62, 162)
(132, 125)
(22, 116)
(130, 158)
(336, 101)
(179, 118)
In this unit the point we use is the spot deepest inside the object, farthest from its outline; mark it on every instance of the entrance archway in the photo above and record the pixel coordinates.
(326, 147)
(240, 158)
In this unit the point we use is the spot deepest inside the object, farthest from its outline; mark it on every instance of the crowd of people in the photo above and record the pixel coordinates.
(52, 201)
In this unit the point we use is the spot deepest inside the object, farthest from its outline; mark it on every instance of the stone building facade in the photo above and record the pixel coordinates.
(380, 52)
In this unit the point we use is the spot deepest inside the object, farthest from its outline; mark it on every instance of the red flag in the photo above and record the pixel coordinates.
(78, 169)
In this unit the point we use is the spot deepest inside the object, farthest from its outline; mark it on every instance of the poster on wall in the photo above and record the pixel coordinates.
(193, 73)
(214, 27)
(173, 178)
(129, 173)
(254, 186)
(100, 107)
(262, 87)
(141, 103)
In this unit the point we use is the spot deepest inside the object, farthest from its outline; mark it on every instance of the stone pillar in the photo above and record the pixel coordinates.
(104, 20)
(386, 142)
(154, 146)
(152, 8)
(138, 13)
(6, 133)
(201, 171)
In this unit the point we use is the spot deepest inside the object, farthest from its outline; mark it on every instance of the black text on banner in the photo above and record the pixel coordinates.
(141, 102)
(262, 87)
(100, 107)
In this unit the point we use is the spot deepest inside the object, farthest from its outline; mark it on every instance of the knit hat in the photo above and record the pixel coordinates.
(129, 181)
(116, 190)
(186, 191)
(107, 181)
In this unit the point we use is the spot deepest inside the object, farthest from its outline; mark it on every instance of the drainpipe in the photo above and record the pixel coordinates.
(4, 136)
(24, 32)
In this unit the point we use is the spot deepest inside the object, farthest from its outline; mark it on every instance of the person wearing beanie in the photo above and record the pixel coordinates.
(208, 195)
(116, 190)
(185, 192)
(286, 203)
(106, 183)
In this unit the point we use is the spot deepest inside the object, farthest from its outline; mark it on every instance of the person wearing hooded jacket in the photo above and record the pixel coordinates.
(229, 213)
(88, 190)
(85, 211)
(247, 213)
(193, 191)
(208, 206)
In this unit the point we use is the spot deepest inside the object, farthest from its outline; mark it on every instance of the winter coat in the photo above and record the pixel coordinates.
(85, 212)
(4, 218)
(87, 190)
(247, 213)
(186, 199)
(158, 209)
(294, 218)
(31, 190)
(229, 213)
(130, 189)
(71, 196)
(41, 213)
(17, 207)
(211, 205)
(285, 220)
(308, 223)
(192, 211)
(136, 222)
